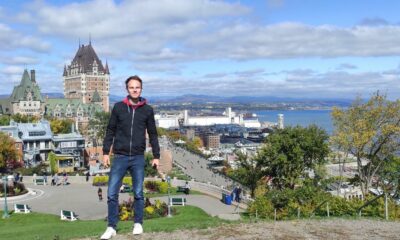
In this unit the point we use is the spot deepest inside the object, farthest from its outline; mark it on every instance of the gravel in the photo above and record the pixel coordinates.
(303, 229)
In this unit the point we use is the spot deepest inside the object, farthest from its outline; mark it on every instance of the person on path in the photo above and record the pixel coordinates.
(100, 194)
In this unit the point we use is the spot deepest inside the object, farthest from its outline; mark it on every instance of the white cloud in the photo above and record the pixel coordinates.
(160, 67)
(302, 82)
(295, 40)
(11, 40)
(12, 70)
(345, 66)
(18, 60)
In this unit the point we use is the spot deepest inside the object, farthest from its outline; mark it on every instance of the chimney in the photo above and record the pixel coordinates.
(33, 77)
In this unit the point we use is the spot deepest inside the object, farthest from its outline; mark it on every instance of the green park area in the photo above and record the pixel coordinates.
(45, 226)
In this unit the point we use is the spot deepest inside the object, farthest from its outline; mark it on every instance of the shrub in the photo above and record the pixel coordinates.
(262, 206)
(151, 186)
(127, 181)
(103, 181)
(162, 187)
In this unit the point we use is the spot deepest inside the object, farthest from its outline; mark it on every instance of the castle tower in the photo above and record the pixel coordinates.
(87, 78)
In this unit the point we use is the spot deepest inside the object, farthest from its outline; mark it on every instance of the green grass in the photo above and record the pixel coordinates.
(173, 191)
(45, 226)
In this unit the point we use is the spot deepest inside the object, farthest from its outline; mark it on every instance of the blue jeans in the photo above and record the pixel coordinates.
(119, 166)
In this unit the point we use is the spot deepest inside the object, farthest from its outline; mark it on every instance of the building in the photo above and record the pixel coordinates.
(190, 134)
(227, 117)
(166, 120)
(25, 98)
(71, 145)
(280, 121)
(211, 140)
(87, 78)
(72, 109)
(37, 141)
(165, 161)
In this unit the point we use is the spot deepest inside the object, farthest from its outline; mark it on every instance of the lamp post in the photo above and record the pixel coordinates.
(169, 198)
(5, 214)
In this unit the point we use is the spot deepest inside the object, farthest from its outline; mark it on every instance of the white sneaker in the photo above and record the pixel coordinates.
(137, 229)
(109, 233)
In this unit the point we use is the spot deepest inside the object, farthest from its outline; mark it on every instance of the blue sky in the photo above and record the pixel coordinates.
(283, 48)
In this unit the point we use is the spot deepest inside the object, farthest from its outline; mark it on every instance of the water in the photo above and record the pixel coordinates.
(321, 118)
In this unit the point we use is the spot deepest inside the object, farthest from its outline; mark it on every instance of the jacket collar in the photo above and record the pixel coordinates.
(142, 102)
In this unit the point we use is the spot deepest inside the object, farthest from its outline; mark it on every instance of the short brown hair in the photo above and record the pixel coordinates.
(136, 77)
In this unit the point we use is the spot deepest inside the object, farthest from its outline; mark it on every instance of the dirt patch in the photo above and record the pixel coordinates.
(284, 230)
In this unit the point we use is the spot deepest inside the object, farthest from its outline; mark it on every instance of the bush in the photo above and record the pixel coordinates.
(162, 187)
(39, 170)
(127, 181)
(18, 189)
(103, 181)
(261, 206)
(151, 186)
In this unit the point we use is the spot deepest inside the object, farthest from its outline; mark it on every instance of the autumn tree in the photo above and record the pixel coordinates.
(52, 158)
(290, 152)
(60, 126)
(371, 132)
(8, 153)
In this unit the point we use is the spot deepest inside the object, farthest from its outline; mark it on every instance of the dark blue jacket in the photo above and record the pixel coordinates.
(126, 130)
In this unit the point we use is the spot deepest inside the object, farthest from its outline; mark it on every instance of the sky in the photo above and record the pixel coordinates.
(283, 48)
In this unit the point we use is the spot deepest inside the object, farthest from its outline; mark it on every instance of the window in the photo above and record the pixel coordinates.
(37, 133)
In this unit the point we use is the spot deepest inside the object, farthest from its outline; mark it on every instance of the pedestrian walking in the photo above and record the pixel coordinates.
(87, 176)
(100, 194)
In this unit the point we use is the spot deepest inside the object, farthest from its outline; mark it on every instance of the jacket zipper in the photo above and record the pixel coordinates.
(130, 143)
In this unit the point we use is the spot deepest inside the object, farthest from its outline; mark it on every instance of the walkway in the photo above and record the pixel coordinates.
(82, 199)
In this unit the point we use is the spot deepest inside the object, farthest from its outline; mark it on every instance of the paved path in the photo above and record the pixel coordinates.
(82, 199)
(196, 166)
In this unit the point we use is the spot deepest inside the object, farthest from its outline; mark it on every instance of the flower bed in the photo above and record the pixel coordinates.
(15, 190)
(149, 186)
(151, 210)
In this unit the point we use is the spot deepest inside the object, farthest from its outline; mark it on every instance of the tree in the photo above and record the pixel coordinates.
(250, 171)
(8, 153)
(149, 170)
(20, 118)
(4, 120)
(98, 125)
(161, 131)
(291, 151)
(371, 132)
(197, 142)
(389, 176)
(61, 125)
(53, 162)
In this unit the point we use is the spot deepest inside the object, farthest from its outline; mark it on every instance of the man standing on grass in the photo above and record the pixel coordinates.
(126, 133)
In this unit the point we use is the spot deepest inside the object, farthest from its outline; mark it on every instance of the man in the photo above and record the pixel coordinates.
(126, 133)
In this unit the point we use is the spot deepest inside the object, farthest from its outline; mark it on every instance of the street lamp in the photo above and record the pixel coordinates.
(5, 214)
(169, 198)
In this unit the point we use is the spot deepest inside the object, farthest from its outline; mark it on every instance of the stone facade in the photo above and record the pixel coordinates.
(87, 78)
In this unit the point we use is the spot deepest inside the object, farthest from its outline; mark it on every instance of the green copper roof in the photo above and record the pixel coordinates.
(21, 92)
(62, 105)
(96, 97)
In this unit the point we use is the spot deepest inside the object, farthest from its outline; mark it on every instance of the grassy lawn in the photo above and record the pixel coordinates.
(44, 226)
(173, 191)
